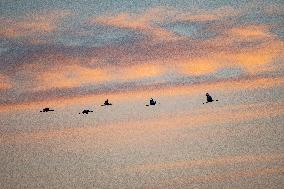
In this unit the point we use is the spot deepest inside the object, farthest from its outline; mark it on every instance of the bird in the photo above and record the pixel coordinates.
(46, 110)
(86, 111)
(209, 98)
(106, 103)
(152, 102)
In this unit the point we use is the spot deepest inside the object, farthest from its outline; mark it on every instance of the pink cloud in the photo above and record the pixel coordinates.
(207, 15)
(226, 160)
(4, 82)
(31, 24)
(70, 76)
(146, 22)
(251, 31)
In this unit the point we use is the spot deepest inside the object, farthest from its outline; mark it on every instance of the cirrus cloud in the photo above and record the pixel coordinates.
(4, 82)
(32, 25)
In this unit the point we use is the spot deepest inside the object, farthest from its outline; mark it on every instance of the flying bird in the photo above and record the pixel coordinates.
(106, 103)
(46, 110)
(152, 102)
(86, 111)
(209, 98)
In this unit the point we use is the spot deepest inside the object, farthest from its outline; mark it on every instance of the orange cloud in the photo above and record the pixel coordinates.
(31, 24)
(260, 58)
(4, 82)
(208, 162)
(252, 31)
(146, 22)
(205, 15)
(140, 71)
(259, 50)
(223, 52)
(68, 73)
(70, 76)
(74, 75)
(185, 182)
(199, 66)
(145, 92)
(149, 20)
(48, 70)
(251, 60)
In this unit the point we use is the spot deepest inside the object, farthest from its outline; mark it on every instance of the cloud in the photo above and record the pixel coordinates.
(274, 9)
(70, 76)
(67, 72)
(199, 66)
(225, 160)
(69, 96)
(251, 32)
(147, 22)
(40, 23)
(58, 69)
(64, 67)
(259, 59)
(253, 60)
(140, 71)
(200, 15)
(153, 21)
(251, 47)
(4, 82)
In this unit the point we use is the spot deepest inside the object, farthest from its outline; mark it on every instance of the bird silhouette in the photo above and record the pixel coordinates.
(86, 111)
(46, 110)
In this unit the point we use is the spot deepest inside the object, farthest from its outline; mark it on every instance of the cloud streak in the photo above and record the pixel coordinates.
(4, 82)
(151, 21)
(163, 56)
(32, 25)
(207, 162)
(69, 96)
(147, 22)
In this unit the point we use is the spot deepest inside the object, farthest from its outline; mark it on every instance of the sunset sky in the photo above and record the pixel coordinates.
(64, 49)
(72, 55)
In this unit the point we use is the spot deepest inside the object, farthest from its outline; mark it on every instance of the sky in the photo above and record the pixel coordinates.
(58, 50)
(72, 55)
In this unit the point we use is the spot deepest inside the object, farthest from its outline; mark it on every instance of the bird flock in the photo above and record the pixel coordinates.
(152, 102)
